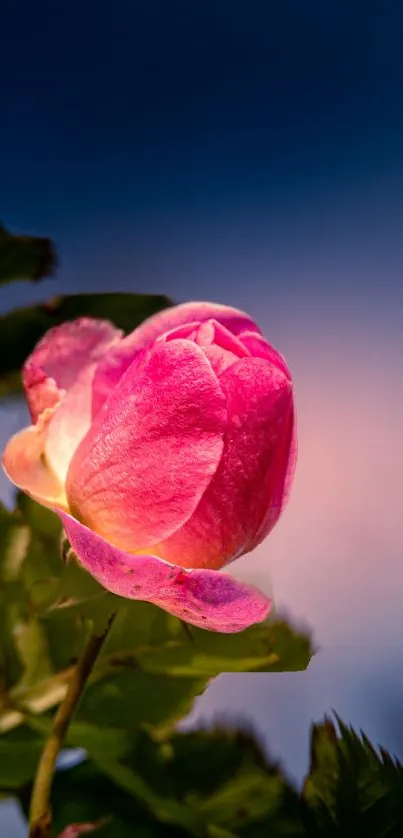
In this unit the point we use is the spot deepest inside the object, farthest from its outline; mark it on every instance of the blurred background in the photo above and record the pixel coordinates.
(251, 154)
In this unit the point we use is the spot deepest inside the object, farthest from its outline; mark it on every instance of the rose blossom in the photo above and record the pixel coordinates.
(167, 454)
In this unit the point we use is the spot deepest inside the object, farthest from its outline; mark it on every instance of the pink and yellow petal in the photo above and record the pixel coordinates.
(25, 463)
(204, 598)
(59, 373)
(150, 454)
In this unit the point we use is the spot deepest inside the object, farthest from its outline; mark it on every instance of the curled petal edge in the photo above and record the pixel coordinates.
(25, 463)
(205, 598)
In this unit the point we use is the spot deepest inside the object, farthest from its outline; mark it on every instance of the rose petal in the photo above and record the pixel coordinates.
(25, 463)
(150, 454)
(259, 348)
(233, 319)
(119, 358)
(60, 357)
(282, 478)
(221, 347)
(249, 484)
(205, 598)
(60, 371)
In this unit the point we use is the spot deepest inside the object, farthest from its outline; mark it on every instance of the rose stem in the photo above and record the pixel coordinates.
(40, 818)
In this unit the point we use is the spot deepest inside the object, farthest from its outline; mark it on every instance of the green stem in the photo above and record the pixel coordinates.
(40, 819)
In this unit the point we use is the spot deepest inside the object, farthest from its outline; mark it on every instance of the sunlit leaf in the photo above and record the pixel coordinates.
(272, 646)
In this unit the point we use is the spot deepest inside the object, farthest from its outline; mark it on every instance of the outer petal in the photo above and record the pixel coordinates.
(233, 319)
(151, 452)
(260, 348)
(61, 356)
(60, 372)
(248, 486)
(205, 598)
(25, 463)
(118, 359)
(282, 478)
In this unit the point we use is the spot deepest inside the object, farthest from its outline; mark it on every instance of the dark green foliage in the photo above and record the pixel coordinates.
(85, 794)
(25, 257)
(219, 783)
(210, 783)
(352, 788)
(147, 678)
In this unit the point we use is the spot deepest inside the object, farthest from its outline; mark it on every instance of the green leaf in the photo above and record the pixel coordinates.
(29, 552)
(224, 776)
(351, 788)
(29, 582)
(19, 754)
(132, 698)
(14, 543)
(84, 793)
(20, 330)
(150, 669)
(210, 782)
(272, 646)
(25, 257)
(43, 521)
(32, 647)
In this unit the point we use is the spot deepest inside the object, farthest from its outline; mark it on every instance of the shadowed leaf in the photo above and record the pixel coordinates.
(210, 783)
(84, 793)
(25, 257)
(19, 754)
(352, 788)
(132, 698)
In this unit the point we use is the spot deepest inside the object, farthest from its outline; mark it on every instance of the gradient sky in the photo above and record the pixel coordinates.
(249, 153)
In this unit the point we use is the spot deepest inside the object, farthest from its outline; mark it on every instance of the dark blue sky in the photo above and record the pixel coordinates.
(147, 106)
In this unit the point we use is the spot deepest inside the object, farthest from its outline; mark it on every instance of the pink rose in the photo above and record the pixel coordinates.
(167, 454)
